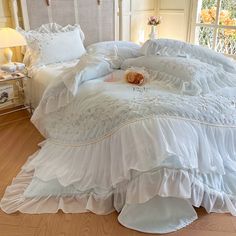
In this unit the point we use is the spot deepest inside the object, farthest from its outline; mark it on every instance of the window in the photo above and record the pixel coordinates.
(216, 25)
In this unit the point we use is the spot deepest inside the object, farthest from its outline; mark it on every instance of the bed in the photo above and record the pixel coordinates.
(40, 78)
(149, 152)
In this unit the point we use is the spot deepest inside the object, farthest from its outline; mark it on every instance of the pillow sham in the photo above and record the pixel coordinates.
(116, 50)
(121, 49)
(42, 35)
(183, 75)
(50, 28)
(175, 48)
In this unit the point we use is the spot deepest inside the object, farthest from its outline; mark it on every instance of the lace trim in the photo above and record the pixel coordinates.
(116, 129)
(198, 193)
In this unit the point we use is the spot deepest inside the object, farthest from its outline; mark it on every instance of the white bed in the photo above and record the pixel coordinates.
(163, 147)
(41, 77)
(149, 152)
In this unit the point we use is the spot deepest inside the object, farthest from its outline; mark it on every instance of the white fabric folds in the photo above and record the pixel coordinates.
(175, 48)
(183, 75)
(111, 174)
(154, 149)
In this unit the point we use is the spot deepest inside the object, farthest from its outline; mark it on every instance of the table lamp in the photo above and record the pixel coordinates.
(10, 38)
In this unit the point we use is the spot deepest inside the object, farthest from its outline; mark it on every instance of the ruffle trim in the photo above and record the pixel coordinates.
(175, 48)
(14, 200)
(50, 28)
(163, 182)
(60, 94)
(52, 104)
(196, 86)
(183, 184)
(177, 143)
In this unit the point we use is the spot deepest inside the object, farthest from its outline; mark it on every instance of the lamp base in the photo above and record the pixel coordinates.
(8, 55)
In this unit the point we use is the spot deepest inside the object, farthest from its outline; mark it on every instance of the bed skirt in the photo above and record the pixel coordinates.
(163, 177)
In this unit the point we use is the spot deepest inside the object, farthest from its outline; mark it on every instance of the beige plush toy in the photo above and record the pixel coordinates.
(136, 76)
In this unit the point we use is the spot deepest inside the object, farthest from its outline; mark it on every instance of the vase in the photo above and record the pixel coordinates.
(153, 34)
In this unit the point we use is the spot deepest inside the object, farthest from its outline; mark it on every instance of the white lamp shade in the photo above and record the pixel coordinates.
(11, 38)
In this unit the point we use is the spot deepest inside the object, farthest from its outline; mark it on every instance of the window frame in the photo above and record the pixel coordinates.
(215, 26)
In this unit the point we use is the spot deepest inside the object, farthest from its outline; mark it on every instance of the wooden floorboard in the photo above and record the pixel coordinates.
(19, 140)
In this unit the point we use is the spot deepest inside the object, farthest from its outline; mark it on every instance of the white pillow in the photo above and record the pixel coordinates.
(115, 51)
(35, 38)
(175, 48)
(57, 47)
(122, 48)
(183, 75)
(50, 28)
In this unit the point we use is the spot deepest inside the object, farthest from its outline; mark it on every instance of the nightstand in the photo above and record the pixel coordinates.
(12, 96)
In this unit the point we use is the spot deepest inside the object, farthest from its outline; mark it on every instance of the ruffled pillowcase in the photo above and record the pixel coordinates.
(52, 43)
(115, 51)
(183, 75)
(174, 48)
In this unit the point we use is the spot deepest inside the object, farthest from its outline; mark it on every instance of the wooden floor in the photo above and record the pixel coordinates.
(18, 140)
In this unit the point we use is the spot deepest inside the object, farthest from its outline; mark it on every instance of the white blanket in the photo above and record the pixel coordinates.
(40, 78)
(111, 145)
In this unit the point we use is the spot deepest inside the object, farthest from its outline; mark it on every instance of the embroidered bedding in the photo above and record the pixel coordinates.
(160, 148)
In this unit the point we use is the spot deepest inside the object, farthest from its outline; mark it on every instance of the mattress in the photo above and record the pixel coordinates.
(41, 77)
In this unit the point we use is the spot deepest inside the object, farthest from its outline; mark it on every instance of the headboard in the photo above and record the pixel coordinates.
(99, 19)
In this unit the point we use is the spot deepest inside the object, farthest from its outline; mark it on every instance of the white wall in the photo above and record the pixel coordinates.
(175, 14)
(135, 16)
(176, 19)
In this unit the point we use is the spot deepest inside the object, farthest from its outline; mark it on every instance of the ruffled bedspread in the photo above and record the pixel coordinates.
(137, 150)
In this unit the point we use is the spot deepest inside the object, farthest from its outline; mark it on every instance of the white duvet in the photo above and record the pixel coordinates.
(150, 152)
(41, 77)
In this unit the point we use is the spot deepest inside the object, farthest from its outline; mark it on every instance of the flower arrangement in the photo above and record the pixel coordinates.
(154, 20)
